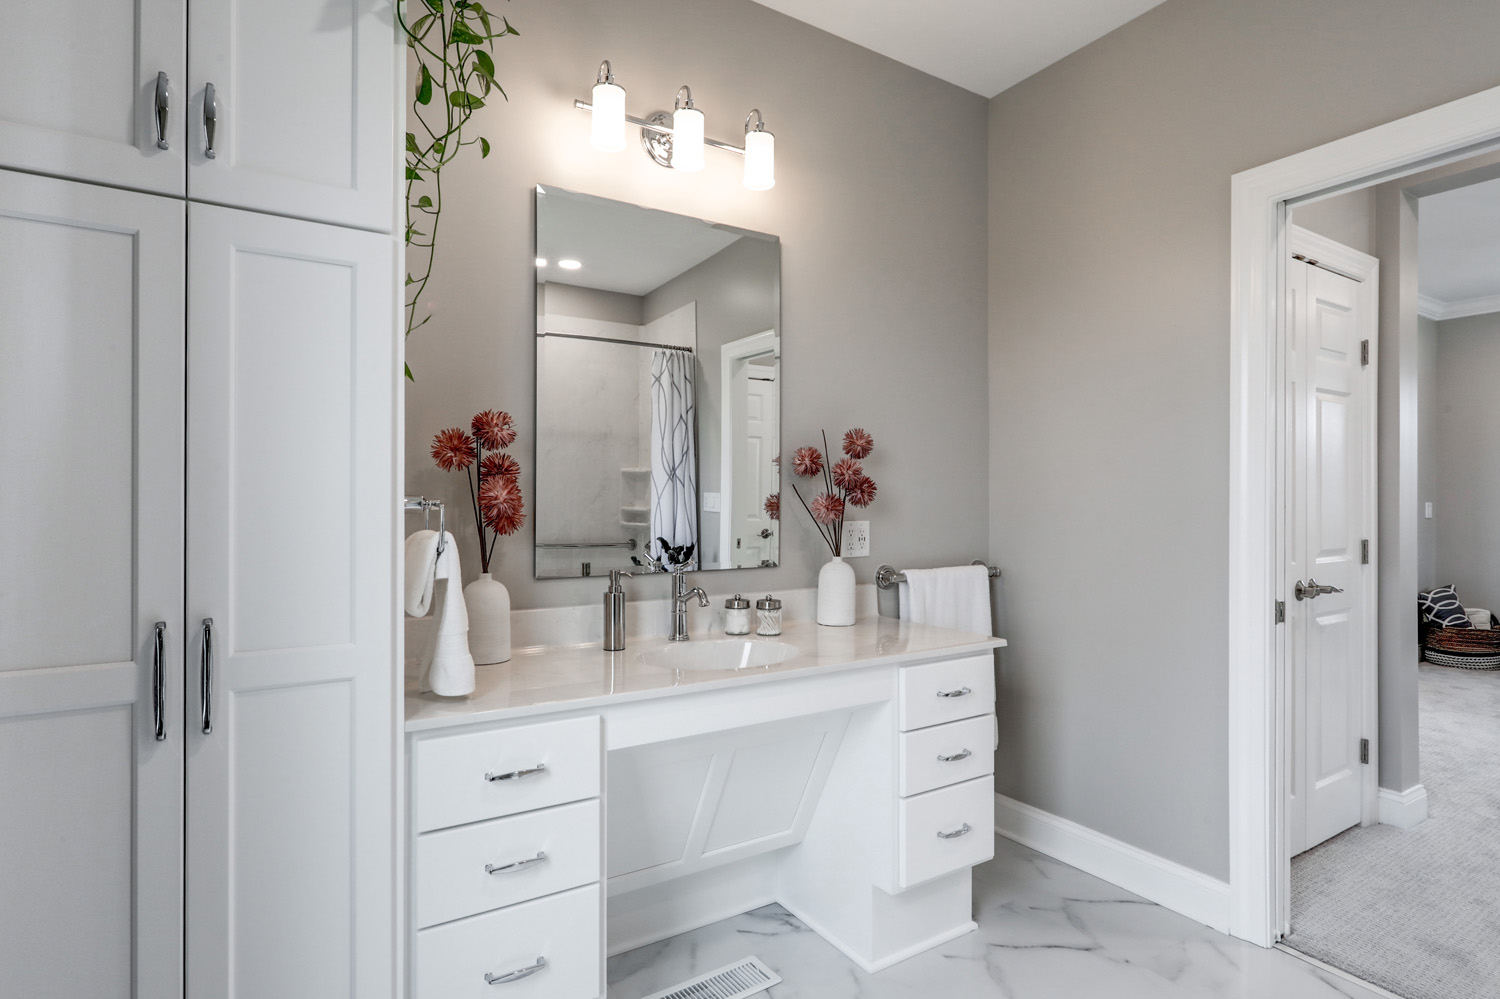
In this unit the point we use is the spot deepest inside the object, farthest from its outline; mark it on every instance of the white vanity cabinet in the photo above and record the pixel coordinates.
(281, 106)
(584, 803)
(506, 856)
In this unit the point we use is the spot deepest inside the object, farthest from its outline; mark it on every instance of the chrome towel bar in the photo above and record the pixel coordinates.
(887, 576)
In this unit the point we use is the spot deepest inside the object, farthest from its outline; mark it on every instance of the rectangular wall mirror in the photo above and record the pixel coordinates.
(658, 388)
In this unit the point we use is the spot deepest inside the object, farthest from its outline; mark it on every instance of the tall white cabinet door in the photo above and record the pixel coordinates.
(78, 91)
(291, 528)
(91, 447)
(304, 108)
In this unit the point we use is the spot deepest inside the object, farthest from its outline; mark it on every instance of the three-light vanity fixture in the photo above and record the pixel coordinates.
(676, 140)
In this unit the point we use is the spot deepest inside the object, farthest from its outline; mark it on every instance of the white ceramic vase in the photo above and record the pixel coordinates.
(836, 593)
(488, 603)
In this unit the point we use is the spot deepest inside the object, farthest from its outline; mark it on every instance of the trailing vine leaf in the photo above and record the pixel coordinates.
(453, 42)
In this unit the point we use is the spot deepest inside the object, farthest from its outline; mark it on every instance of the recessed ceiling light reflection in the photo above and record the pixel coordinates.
(569, 265)
(541, 261)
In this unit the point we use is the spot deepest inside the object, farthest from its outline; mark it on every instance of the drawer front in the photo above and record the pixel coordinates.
(934, 693)
(483, 775)
(928, 848)
(563, 930)
(947, 754)
(486, 865)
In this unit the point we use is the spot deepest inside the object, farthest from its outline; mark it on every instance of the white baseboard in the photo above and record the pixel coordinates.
(1179, 888)
(1403, 809)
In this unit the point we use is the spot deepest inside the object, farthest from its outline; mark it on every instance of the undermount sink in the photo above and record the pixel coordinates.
(718, 654)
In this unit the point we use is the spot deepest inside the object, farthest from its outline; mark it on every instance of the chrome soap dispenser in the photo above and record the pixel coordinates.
(614, 612)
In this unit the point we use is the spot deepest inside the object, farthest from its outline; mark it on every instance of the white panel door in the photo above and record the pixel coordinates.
(78, 91)
(290, 847)
(304, 108)
(91, 447)
(754, 457)
(1332, 408)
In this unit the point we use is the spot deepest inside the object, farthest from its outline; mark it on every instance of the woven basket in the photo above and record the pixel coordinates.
(1475, 641)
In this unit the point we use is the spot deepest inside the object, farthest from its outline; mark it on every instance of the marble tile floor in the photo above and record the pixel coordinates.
(1046, 931)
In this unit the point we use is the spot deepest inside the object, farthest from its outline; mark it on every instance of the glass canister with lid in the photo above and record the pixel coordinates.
(736, 616)
(768, 616)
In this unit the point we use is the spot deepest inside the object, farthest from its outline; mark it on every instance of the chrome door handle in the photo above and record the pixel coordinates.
(517, 774)
(163, 105)
(1312, 589)
(159, 680)
(517, 865)
(964, 831)
(961, 691)
(206, 676)
(517, 975)
(955, 757)
(210, 120)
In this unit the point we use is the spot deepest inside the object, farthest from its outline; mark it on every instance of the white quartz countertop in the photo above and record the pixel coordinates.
(563, 678)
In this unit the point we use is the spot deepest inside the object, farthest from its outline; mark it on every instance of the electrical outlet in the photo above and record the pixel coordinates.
(856, 538)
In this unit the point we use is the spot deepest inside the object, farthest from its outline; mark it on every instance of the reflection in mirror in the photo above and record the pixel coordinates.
(658, 390)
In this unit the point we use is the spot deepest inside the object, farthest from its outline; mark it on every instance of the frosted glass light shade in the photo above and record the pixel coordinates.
(687, 139)
(608, 134)
(760, 160)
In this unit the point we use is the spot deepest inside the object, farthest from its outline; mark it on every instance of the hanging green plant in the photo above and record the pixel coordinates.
(453, 41)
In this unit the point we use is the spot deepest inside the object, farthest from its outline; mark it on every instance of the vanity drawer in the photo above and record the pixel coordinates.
(563, 930)
(933, 693)
(927, 755)
(483, 775)
(927, 846)
(451, 876)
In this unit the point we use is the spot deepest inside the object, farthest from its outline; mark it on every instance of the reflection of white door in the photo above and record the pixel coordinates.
(749, 444)
(754, 473)
(1331, 378)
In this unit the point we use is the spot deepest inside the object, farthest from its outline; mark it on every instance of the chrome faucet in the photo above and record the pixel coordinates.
(680, 596)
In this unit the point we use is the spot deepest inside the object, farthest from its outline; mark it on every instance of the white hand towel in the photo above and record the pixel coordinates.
(435, 582)
(957, 597)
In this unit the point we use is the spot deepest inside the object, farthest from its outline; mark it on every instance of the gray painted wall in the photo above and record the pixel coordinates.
(1468, 438)
(1428, 454)
(1347, 218)
(1109, 335)
(879, 204)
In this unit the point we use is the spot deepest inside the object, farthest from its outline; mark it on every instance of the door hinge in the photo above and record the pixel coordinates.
(1281, 612)
(1364, 750)
(1364, 353)
(1364, 552)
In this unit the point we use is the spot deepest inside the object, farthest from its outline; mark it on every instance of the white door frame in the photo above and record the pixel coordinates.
(1257, 662)
(731, 352)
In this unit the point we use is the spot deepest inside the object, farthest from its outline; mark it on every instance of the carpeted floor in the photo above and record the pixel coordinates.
(1417, 911)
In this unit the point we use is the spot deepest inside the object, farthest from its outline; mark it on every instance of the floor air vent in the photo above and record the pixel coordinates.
(744, 978)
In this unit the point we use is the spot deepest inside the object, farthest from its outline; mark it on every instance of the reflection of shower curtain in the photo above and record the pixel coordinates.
(674, 480)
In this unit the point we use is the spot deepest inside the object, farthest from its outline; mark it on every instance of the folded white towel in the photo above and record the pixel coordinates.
(956, 597)
(435, 582)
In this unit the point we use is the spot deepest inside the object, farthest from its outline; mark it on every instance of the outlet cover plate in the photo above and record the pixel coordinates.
(856, 538)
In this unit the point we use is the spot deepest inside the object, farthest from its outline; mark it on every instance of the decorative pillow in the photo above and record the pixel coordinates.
(1440, 606)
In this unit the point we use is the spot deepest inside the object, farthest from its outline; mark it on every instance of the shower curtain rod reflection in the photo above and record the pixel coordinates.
(610, 339)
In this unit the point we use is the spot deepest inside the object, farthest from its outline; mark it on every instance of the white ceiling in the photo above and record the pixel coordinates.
(1458, 245)
(981, 45)
(622, 247)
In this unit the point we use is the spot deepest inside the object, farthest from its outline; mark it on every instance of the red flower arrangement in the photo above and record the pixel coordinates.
(845, 484)
(494, 489)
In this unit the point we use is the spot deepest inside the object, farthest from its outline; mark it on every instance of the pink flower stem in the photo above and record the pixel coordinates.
(821, 533)
(838, 527)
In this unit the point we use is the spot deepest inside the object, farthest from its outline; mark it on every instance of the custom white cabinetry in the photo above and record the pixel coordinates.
(289, 527)
(280, 106)
(91, 722)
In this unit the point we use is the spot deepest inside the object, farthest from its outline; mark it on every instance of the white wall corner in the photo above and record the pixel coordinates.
(1165, 882)
(1403, 809)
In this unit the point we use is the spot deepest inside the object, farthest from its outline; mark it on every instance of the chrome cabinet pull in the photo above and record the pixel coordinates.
(206, 676)
(961, 691)
(517, 774)
(956, 833)
(159, 680)
(163, 105)
(210, 121)
(517, 975)
(955, 757)
(518, 865)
